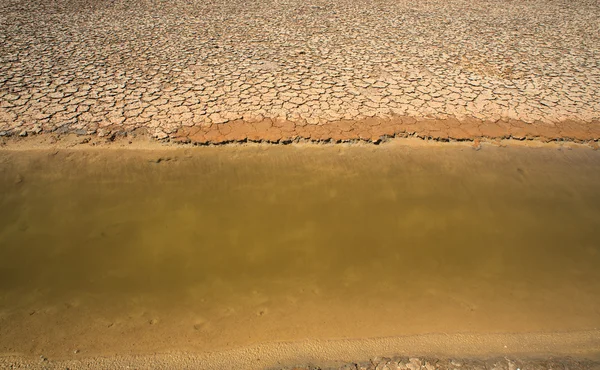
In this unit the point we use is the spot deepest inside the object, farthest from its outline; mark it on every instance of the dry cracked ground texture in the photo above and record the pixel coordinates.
(278, 70)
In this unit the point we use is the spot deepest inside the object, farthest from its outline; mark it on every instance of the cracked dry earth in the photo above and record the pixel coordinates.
(279, 70)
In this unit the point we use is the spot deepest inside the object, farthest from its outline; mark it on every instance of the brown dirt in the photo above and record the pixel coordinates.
(375, 130)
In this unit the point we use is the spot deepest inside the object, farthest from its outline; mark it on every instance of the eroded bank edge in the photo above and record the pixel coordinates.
(374, 131)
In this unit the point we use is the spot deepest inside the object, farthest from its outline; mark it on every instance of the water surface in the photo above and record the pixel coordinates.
(117, 251)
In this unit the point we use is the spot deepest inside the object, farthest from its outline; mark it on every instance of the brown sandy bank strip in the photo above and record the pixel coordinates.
(377, 129)
(141, 140)
(373, 130)
(496, 349)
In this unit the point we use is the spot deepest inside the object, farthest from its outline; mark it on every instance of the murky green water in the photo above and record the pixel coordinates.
(110, 251)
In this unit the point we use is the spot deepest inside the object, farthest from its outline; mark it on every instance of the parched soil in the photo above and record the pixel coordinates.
(231, 70)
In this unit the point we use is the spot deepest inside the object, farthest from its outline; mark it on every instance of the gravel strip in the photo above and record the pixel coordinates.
(416, 363)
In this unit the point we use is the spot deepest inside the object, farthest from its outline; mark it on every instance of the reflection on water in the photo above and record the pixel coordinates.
(222, 247)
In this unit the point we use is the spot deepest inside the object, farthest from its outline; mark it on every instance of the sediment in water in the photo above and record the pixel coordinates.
(257, 248)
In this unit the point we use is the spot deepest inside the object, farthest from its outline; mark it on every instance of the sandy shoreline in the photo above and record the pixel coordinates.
(373, 130)
(141, 139)
(528, 348)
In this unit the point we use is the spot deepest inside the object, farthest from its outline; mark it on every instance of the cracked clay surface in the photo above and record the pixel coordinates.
(266, 70)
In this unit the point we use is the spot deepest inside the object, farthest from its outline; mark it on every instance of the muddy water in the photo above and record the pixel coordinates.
(119, 251)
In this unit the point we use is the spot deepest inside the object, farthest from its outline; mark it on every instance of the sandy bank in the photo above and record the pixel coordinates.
(497, 351)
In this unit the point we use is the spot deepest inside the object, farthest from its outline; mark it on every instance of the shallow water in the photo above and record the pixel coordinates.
(114, 251)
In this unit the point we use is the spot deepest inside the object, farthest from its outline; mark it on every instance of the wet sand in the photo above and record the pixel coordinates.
(540, 351)
(302, 253)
